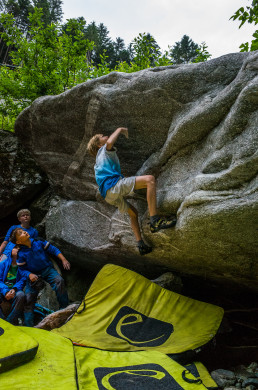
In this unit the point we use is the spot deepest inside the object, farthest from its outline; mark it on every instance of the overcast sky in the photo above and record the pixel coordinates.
(168, 20)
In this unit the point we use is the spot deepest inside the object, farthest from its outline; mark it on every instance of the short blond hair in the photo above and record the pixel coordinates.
(22, 211)
(93, 144)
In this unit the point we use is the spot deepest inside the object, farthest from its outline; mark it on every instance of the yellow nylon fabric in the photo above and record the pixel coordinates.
(15, 346)
(145, 370)
(52, 368)
(205, 376)
(120, 300)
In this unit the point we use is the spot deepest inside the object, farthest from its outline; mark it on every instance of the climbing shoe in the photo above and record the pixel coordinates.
(144, 249)
(162, 223)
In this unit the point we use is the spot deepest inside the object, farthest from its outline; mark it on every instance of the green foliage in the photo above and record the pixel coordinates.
(249, 15)
(100, 70)
(120, 53)
(184, 51)
(49, 62)
(103, 45)
(164, 60)
(146, 51)
(12, 101)
(52, 10)
(202, 53)
(20, 10)
(46, 58)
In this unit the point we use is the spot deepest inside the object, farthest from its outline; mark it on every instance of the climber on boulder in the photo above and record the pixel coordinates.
(114, 187)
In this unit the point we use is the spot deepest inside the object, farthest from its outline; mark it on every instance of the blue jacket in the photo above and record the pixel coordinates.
(35, 259)
(20, 279)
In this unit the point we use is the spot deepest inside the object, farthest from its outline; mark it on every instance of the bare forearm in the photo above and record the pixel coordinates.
(65, 262)
(112, 139)
(61, 257)
(2, 246)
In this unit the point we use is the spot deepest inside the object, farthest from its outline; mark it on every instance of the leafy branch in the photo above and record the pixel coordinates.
(249, 15)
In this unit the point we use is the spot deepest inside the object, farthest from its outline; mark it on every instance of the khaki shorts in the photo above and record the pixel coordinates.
(116, 194)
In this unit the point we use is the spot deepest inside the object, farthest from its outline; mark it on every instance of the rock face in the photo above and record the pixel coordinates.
(195, 128)
(21, 178)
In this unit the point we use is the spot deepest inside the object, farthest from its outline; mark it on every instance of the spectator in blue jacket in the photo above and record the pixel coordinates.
(33, 260)
(12, 282)
(24, 217)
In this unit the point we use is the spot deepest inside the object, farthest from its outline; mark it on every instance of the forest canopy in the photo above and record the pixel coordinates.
(41, 55)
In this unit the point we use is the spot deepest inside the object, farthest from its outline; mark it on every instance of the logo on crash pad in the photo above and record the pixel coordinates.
(1, 331)
(142, 377)
(138, 329)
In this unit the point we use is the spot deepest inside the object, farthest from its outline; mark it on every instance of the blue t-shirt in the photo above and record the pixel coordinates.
(32, 232)
(9, 247)
(107, 169)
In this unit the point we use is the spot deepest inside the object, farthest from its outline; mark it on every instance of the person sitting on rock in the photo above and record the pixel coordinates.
(24, 217)
(12, 282)
(33, 260)
(114, 187)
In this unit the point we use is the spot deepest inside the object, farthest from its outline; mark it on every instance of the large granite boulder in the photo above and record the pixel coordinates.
(195, 128)
(21, 178)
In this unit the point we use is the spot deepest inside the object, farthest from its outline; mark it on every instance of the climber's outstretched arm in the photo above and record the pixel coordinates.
(113, 137)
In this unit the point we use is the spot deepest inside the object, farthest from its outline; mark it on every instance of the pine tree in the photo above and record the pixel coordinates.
(103, 43)
(184, 51)
(52, 10)
(121, 54)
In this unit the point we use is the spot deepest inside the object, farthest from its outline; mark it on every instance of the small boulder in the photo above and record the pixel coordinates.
(170, 282)
(224, 378)
(58, 318)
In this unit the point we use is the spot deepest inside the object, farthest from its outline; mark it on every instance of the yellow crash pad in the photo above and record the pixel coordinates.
(16, 347)
(144, 370)
(52, 368)
(123, 311)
